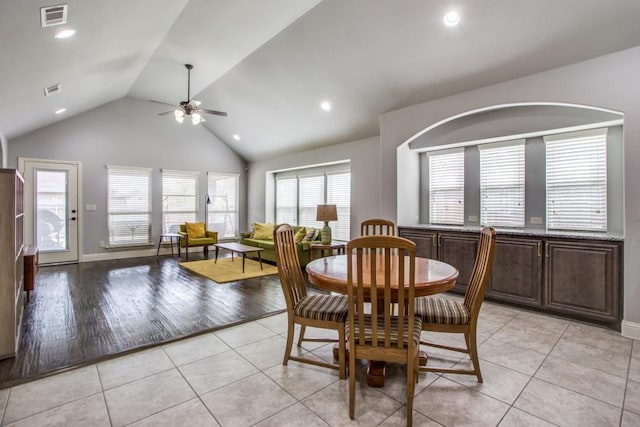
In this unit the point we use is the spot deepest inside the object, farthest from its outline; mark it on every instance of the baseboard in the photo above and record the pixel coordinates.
(138, 253)
(630, 330)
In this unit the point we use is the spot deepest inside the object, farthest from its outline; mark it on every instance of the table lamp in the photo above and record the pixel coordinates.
(326, 213)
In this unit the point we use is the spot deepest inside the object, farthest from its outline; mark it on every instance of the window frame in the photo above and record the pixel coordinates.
(111, 211)
(338, 227)
(595, 184)
(490, 155)
(211, 203)
(441, 218)
(171, 225)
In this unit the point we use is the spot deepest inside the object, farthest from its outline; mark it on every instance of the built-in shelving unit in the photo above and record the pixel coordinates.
(11, 260)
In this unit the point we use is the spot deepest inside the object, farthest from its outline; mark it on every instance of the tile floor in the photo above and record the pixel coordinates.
(538, 371)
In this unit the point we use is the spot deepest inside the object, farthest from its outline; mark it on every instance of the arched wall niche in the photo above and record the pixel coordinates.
(503, 122)
(499, 121)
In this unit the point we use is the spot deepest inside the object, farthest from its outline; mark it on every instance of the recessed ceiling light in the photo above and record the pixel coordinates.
(61, 110)
(451, 18)
(325, 105)
(65, 34)
(236, 137)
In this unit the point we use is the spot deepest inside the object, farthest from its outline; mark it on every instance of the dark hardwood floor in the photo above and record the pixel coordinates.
(82, 313)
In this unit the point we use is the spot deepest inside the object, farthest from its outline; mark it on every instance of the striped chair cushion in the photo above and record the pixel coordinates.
(394, 330)
(442, 311)
(323, 307)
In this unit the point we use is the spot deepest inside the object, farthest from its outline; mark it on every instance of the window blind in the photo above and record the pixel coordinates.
(287, 200)
(310, 196)
(222, 210)
(502, 172)
(446, 186)
(179, 198)
(300, 191)
(129, 205)
(577, 180)
(339, 194)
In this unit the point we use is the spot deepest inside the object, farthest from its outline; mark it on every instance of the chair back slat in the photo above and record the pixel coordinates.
(377, 227)
(477, 287)
(293, 284)
(381, 267)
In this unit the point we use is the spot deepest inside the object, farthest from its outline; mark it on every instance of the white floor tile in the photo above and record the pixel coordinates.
(125, 369)
(88, 411)
(38, 396)
(196, 348)
(139, 399)
(216, 371)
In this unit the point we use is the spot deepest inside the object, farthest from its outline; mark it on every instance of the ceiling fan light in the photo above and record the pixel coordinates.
(178, 113)
(196, 118)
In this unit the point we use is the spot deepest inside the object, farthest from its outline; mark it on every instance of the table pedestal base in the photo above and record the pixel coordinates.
(375, 372)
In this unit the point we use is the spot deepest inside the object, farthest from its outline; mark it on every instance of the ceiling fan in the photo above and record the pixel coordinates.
(190, 107)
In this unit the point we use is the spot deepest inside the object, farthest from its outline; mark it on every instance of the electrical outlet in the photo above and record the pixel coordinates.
(473, 218)
(102, 243)
(536, 220)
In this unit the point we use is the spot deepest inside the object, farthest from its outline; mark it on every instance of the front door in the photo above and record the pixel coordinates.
(51, 209)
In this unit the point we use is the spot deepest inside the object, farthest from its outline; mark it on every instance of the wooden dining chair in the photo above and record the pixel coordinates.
(319, 311)
(383, 278)
(377, 226)
(447, 315)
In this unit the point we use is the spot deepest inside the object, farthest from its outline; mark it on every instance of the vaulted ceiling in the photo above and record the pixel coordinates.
(270, 63)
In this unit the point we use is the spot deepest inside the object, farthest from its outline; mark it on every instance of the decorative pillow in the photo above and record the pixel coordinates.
(195, 230)
(311, 235)
(300, 235)
(263, 231)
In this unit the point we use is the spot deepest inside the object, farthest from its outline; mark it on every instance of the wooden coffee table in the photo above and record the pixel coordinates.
(240, 249)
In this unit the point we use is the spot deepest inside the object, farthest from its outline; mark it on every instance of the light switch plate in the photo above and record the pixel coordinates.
(89, 207)
(473, 218)
(536, 220)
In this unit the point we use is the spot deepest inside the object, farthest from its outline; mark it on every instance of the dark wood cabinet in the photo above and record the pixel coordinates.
(459, 250)
(426, 242)
(516, 275)
(583, 279)
(576, 277)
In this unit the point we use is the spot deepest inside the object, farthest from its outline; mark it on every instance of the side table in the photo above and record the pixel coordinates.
(170, 236)
(326, 249)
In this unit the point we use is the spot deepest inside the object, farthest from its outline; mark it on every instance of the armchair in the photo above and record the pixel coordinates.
(196, 234)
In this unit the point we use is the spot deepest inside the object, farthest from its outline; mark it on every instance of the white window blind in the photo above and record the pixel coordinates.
(287, 200)
(300, 191)
(339, 194)
(502, 171)
(179, 198)
(129, 205)
(446, 186)
(222, 207)
(577, 180)
(310, 196)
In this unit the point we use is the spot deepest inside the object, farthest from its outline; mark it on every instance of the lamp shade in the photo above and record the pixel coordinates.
(327, 213)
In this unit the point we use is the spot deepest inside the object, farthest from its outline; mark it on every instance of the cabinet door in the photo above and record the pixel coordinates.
(582, 279)
(516, 274)
(426, 242)
(459, 250)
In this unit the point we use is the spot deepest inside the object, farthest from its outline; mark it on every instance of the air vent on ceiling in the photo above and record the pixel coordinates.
(52, 89)
(53, 15)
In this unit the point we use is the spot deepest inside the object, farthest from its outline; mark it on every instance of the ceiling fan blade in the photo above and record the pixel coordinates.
(218, 113)
(166, 112)
(163, 103)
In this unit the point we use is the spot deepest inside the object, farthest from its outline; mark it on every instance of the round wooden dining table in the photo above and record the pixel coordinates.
(431, 277)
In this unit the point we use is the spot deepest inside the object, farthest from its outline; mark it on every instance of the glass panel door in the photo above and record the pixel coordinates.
(51, 210)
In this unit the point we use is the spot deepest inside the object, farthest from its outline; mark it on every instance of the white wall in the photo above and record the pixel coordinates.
(128, 132)
(607, 82)
(365, 179)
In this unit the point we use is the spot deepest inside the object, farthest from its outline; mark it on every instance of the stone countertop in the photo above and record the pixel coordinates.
(530, 232)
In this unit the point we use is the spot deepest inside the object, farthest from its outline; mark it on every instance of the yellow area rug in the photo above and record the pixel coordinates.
(226, 270)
